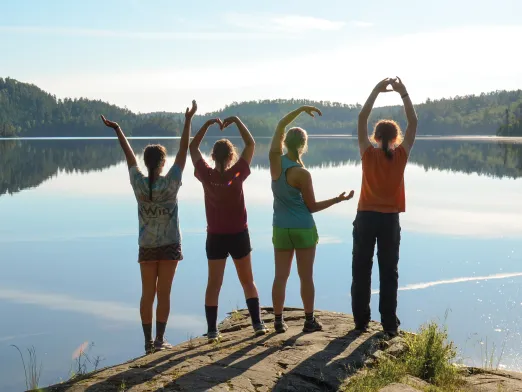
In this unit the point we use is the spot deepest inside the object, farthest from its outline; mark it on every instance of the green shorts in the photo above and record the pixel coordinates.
(287, 239)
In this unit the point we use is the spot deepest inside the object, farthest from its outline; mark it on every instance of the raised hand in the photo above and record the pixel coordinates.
(398, 86)
(110, 124)
(229, 121)
(382, 86)
(190, 113)
(343, 196)
(213, 121)
(310, 110)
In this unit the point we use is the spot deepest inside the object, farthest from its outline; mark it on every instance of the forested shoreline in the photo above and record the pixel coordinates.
(28, 111)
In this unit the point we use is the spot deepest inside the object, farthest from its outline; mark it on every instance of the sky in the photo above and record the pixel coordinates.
(158, 55)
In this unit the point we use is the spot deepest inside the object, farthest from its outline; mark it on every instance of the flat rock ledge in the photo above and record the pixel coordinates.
(294, 361)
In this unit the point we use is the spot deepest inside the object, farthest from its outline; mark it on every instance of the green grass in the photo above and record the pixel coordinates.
(32, 370)
(429, 357)
(236, 315)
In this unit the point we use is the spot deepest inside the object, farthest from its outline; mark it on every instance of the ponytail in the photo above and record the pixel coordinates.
(154, 156)
(296, 142)
(386, 147)
(223, 154)
(151, 181)
(296, 152)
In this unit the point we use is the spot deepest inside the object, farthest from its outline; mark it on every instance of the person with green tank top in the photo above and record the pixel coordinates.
(294, 228)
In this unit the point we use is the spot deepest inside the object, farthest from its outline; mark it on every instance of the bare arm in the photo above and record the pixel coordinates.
(276, 148)
(362, 124)
(124, 143)
(250, 144)
(411, 116)
(195, 153)
(307, 190)
(181, 156)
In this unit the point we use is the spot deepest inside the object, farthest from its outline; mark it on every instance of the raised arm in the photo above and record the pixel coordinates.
(362, 124)
(195, 153)
(276, 148)
(250, 144)
(181, 156)
(307, 190)
(124, 143)
(411, 116)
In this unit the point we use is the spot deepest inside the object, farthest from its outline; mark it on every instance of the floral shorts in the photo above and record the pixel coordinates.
(166, 252)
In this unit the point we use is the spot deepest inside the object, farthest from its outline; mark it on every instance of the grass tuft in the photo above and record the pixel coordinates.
(429, 357)
(32, 370)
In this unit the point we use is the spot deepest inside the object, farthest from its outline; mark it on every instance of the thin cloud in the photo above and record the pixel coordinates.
(143, 35)
(286, 23)
(425, 285)
(106, 310)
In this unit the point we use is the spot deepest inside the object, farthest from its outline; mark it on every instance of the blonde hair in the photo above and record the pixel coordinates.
(296, 140)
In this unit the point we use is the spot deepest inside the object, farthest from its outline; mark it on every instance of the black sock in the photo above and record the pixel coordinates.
(254, 310)
(278, 318)
(160, 331)
(211, 314)
(309, 316)
(147, 332)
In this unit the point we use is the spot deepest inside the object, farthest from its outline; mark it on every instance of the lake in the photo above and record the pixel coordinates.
(68, 248)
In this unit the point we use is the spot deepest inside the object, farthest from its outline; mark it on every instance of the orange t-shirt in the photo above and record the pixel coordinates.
(382, 187)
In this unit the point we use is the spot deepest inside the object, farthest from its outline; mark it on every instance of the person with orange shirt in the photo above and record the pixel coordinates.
(381, 201)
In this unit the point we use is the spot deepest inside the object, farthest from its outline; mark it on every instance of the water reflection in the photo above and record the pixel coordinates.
(68, 232)
(28, 163)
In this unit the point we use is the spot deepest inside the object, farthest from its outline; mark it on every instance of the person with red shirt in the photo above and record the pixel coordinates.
(227, 229)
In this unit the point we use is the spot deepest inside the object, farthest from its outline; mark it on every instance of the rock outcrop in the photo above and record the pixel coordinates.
(293, 361)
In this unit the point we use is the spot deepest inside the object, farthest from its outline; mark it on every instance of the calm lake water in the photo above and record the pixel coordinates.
(68, 248)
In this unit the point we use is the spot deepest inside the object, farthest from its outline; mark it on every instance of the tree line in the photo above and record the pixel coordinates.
(26, 110)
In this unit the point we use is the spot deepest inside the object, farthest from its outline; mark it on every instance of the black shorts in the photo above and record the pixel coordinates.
(167, 252)
(220, 246)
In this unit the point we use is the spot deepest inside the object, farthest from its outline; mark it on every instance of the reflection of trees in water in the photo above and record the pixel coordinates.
(28, 163)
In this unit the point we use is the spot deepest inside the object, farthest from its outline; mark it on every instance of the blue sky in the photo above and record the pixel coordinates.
(159, 55)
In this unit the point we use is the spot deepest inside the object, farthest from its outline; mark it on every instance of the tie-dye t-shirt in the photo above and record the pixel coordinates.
(158, 219)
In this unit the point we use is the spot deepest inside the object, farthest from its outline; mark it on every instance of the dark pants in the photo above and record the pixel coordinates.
(385, 229)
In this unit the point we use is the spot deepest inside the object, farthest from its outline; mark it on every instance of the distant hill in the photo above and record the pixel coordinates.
(26, 110)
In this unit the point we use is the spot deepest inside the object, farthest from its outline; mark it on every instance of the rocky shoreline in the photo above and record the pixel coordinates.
(294, 361)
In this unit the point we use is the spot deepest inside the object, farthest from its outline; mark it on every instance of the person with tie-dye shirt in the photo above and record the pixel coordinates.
(159, 233)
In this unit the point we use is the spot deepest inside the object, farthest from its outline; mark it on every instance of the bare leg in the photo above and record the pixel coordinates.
(149, 276)
(283, 265)
(244, 273)
(216, 270)
(166, 271)
(305, 268)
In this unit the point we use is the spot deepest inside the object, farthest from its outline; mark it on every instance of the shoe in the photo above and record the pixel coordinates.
(391, 333)
(280, 326)
(213, 336)
(260, 329)
(160, 345)
(149, 347)
(312, 325)
(360, 329)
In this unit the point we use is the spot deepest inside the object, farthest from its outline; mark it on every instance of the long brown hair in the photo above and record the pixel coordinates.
(223, 153)
(154, 156)
(389, 133)
(296, 140)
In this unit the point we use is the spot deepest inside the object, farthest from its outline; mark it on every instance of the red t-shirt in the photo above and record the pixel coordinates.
(224, 198)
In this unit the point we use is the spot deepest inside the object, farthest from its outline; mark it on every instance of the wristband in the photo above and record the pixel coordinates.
(404, 96)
